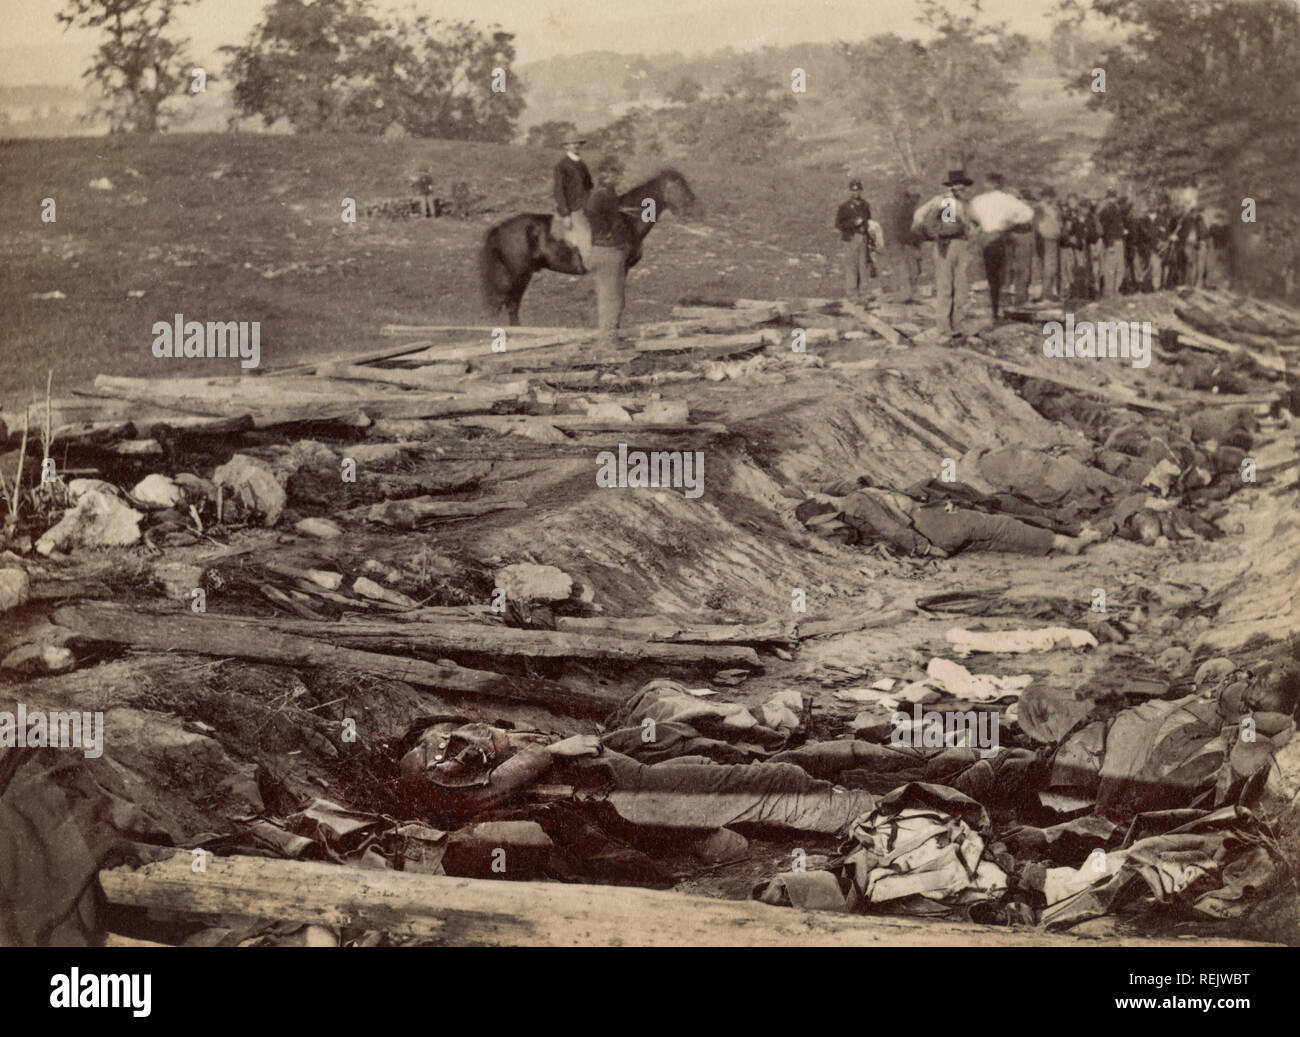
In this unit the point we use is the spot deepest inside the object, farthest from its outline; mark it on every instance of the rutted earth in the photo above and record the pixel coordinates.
(192, 743)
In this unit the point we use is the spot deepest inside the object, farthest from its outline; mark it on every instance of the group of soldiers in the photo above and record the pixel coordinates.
(1074, 247)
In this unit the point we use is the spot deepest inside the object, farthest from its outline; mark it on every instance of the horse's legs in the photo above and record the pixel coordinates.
(516, 296)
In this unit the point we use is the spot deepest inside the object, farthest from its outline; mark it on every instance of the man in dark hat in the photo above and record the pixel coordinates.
(949, 225)
(572, 186)
(853, 221)
(610, 242)
(1113, 234)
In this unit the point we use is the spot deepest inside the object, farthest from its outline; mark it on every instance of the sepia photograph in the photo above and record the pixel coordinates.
(754, 473)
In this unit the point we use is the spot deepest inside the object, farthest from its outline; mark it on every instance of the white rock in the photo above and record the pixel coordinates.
(102, 184)
(37, 659)
(528, 582)
(157, 491)
(322, 578)
(308, 453)
(368, 588)
(98, 520)
(14, 587)
(664, 412)
(322, 529)
(254, 485)
(608, 411)
(376, 453)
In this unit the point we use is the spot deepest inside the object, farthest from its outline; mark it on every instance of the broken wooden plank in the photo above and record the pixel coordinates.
(369, 357)
(889, 333)
(510, 344)
(479, 639)
(434, 376)
(211, 634)
(483, 912)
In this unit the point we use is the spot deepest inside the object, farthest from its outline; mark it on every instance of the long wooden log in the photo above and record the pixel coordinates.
(409, 514)
(583, 422)
(226, 637)
(755, 313)
(434, 376)
(485, 329)
(277, 400)
(712, 345)
(1125, 399)
(656, 628)
(484, 639)
(512, 343)
(1200, 340)
(492, 913)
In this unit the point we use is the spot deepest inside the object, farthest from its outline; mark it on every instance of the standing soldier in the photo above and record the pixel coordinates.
(572, 186)
(1048, 227)
(1071, 250)
(853, 221)
(909, 242)
(947, 222)
(1111, 218)
(1092, 237)
(611, 240)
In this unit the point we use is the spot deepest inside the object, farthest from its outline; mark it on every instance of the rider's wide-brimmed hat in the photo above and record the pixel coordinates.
(957, 176)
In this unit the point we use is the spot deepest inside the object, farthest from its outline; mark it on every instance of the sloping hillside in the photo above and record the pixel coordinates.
(248, 227)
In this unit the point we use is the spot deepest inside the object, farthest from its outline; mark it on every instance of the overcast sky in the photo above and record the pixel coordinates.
(36, 49)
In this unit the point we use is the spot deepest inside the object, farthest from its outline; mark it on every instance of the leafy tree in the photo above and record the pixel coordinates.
(937, 102)
(1209, 94)
(334, 64)
(551, 134)
(687, 90)
(745, 124)
(140, 65)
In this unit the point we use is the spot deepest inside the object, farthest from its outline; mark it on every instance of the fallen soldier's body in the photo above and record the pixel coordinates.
(458, 770)
(939, 528)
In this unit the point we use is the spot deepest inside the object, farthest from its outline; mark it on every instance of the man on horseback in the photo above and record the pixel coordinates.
(572, 186)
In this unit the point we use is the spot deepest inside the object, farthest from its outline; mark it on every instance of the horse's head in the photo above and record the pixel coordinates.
(678, 196)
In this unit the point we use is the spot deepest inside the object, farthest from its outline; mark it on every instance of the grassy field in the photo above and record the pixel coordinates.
(248, 227)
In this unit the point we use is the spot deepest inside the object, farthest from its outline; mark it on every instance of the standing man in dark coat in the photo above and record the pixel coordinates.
(948, 223)
(853, 220)
(611, 240)
(909, 242)
(572, 186)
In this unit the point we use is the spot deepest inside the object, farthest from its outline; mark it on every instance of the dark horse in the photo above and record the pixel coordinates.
(517, 248)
